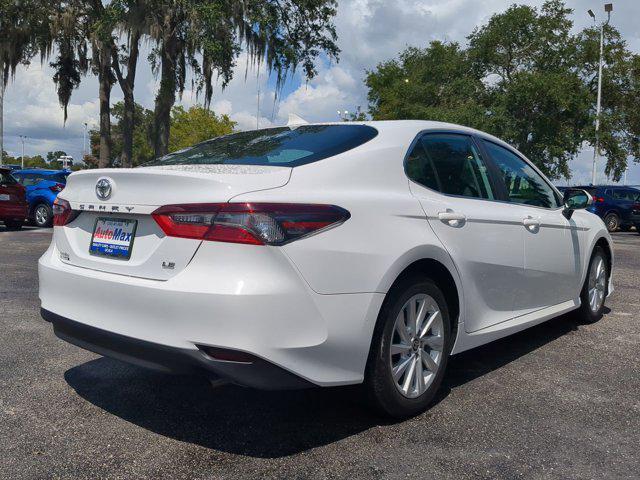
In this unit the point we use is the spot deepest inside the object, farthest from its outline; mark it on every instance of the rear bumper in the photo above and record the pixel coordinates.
(261, 306)
(257, 374)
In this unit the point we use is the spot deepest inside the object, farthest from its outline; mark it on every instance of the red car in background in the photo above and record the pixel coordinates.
(13, 202)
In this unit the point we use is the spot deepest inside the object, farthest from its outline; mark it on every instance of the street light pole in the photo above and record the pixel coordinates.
(596, 151)
(22, 138)
(84, 141)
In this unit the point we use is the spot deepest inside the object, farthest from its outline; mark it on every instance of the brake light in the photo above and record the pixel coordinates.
(250, 223)
(62, 213)
(57, 188)
(598, 199)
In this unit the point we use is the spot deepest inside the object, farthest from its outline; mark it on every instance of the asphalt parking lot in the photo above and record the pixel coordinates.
(560, 400)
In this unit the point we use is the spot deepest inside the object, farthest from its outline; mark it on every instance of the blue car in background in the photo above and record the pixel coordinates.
(42, 188)
(618, 206)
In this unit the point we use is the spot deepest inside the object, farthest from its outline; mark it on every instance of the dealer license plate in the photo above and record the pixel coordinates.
(113, 237)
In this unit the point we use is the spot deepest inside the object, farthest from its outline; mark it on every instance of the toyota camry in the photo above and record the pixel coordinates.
(321, 255)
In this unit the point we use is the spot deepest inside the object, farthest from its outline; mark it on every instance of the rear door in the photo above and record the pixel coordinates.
(483, 235)
(552, 244)
(12, 197)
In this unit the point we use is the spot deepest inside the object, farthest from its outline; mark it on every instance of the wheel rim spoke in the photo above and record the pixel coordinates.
(400, 368)
(434, 342)
(429, 323)
(400, 348)
(401, 328)
(422, 312)
(429, 362)
(420, 386)
(408, 379)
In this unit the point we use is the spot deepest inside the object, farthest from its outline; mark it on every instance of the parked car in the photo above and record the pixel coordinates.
(12, 166)
(618, 206)
(42, 187)
(321, 255)
(13, 202)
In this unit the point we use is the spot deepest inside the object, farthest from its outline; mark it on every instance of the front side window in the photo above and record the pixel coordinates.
(524, 185)
(450, 164)
(629, 195)
(280, 147)
(29, 179)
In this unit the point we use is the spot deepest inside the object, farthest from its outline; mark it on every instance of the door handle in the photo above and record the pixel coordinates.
(531, 223)
(452, 218)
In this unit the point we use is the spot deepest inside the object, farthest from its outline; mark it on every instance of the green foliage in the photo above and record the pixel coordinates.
(51, 156)
(526, 78)
(35, 162)
(196, 125)
(188, 127)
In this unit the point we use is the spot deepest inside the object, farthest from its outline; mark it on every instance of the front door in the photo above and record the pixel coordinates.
(484, 237)
(552, 247)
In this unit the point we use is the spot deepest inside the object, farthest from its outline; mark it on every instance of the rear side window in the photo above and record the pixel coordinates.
(524, 185)
(7, 179)
(450, 164)
(283, 146)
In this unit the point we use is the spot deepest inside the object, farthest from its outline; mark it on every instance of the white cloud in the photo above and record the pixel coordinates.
(369, 32)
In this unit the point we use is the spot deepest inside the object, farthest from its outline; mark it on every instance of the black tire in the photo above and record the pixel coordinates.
(612, 222)
(586, 314)
(13, 225)
(380, 387)
(43, 215)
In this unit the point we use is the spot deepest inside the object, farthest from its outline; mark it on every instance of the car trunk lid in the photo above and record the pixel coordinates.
(134, 194)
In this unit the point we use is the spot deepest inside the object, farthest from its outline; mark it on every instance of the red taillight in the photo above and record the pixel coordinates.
(252, 223)
(57, 188)
(598, 199)
(62, 213)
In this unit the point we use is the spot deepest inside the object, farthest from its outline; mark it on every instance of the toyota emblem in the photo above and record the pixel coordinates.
(103, 188)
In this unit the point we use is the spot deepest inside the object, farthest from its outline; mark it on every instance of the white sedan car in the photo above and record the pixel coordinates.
(321, 255)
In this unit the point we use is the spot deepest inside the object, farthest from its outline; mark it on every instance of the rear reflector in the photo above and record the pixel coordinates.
(250, 223)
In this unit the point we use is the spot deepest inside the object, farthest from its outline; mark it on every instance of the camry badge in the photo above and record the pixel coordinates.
(103, 189)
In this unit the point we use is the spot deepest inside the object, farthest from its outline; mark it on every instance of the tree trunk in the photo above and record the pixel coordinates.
(166, 97)
(1, 118)
(104, 80)
(127, 85)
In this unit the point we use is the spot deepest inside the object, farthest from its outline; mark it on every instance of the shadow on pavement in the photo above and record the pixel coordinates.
(268, 424)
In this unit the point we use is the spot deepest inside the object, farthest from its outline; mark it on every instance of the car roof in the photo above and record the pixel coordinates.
(41, 170)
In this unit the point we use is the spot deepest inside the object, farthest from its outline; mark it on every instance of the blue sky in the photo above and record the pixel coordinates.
(369, 31)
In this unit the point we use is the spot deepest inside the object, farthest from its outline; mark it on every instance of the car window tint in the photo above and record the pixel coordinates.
(29, 179)
(281, 146)
(420, 169)
(450, 164)
(7, 179)
(524, 185)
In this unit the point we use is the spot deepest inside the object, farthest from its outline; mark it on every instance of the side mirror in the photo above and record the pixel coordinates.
(575, 199)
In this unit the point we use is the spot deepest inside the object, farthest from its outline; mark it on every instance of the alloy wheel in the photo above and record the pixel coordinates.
(41, 215)
(417, 344)
(597, 283)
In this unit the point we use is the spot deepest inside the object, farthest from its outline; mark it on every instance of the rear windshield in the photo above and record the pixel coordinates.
(59, 177)
(280, 147)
